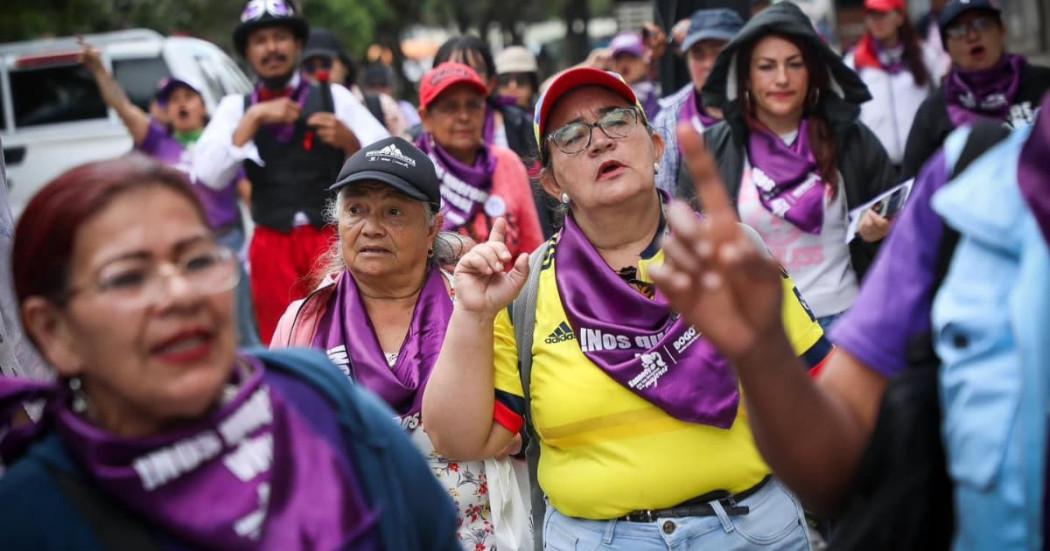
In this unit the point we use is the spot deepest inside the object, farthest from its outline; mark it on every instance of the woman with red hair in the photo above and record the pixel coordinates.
(155, 415)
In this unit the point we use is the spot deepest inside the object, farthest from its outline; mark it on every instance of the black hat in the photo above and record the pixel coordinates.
(954, 8)
(712, 24)
(325, 44)
(397, 163)
(267, 13)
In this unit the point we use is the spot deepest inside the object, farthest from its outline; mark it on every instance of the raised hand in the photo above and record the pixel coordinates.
(333, 132)
(482, 285)
(90, 56)
(714, 274)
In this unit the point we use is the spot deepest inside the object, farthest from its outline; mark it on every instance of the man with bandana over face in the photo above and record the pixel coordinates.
(291, 138)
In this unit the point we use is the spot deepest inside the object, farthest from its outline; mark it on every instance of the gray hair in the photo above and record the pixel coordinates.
(448, 246)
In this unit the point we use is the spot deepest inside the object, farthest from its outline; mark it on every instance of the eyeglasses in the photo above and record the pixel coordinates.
(977, 25)
(521, 79)
(134, 284)
(314, 64)
(576, 136)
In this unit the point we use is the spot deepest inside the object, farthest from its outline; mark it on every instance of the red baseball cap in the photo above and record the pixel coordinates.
(571, 79)
(443, 77)
(884, 5)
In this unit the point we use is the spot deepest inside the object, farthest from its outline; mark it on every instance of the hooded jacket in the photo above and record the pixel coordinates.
(863, 164)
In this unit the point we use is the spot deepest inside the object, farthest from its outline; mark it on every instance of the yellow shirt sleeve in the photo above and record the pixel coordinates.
(801, 326)
(505, 356)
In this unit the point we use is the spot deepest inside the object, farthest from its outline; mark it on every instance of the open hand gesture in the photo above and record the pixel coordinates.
(482, 285)
(714, 274)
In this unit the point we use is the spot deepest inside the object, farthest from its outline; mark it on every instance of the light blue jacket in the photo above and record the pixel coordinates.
(991, 318)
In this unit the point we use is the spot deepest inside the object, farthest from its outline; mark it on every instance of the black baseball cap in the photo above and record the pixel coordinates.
(397, 163)
(954, 8)
(712, 24)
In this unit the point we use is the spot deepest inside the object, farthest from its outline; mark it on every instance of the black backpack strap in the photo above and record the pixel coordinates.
(114, 526)
(376, 108)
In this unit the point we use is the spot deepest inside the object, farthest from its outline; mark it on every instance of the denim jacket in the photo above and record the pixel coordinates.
(990, 319)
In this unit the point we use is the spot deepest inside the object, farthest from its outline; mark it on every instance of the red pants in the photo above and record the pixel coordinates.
(283, 269)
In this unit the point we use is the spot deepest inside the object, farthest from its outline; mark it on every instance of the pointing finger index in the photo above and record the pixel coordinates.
(499, 231)
(706, 179)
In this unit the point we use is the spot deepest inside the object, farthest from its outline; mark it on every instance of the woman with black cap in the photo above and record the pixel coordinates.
(382, 310)
(985, 81)
(793, 155)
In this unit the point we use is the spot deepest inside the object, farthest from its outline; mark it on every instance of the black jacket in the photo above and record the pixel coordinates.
(932, 124)
(862, 161)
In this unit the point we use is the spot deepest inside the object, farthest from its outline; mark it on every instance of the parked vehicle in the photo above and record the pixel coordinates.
(51, 114)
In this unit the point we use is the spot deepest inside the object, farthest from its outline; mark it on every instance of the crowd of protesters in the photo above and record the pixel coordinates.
(798, 302)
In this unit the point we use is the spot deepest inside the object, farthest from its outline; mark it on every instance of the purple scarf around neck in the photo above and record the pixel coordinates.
(638, 341)
(786, 177)
(284, 132)
(891, 59)
(347, 328)
(464, 188)
(988, 93)
(692, 113)
(250, 475)
(1032, 175)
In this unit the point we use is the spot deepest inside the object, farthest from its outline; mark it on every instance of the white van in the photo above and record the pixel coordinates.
(52, 117)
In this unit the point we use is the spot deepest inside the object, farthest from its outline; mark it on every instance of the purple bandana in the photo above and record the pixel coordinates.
(1032, 172)
(464, 188)
(347, 329)
(283, 132)
(988, 93)
(263, 477)
(786, 178)
(638, 341)
(891, 59)
(692, 113)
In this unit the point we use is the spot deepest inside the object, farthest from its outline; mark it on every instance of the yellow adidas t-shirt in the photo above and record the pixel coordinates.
(605, 451)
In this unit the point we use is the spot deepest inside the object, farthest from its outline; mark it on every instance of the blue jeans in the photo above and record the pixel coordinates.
(775, 521)
(826, 321)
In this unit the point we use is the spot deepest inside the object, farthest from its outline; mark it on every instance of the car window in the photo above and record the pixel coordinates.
(54, 94)
(139, 78)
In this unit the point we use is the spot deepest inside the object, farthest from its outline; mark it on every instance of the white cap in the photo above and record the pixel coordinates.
(516, 59)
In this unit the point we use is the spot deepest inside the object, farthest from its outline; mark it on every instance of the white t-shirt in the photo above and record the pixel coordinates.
(819, 264)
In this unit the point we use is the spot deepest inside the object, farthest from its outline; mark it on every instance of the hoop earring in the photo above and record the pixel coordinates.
(656, 168)
(814, 97)
(565, 198)
(430, 253)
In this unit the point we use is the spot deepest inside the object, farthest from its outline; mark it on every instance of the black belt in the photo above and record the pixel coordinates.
(701, 506)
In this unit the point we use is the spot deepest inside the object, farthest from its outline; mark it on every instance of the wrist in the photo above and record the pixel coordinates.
(476, 319)
(769, 350)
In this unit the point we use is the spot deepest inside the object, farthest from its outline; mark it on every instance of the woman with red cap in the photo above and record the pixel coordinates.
(890, 61)
(640, 439)
(480, 182)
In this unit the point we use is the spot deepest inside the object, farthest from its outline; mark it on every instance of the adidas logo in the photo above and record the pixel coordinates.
(561, 333)
(391, 153)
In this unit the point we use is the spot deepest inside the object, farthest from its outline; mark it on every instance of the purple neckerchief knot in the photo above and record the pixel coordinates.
(262, 475)
(786, 177)
(346, 330)
(465, 188)
(988, 93)
(890, 58)
(692, 112)
(282, 132)
(639, 341)
(1032, 173)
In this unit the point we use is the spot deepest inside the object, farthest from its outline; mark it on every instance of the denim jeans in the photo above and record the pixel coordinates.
(775, 521)
(826, 321)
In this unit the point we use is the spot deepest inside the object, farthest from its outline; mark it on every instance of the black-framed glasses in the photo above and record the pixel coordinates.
(977, 25)
(521, 79)
(134, 284)
(576, 136)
